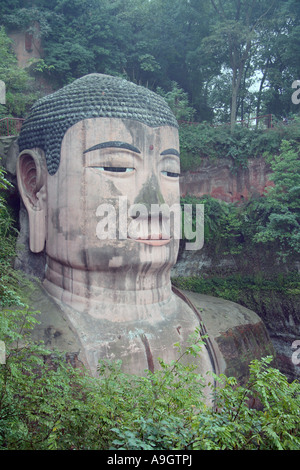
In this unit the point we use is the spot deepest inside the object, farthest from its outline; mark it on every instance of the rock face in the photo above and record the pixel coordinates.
(26, 46)
(238, 335)
(278, 309)
(281, 313)
(217, 178)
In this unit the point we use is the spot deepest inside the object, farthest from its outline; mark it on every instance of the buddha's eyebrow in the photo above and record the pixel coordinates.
(171, 152)
(114, 144)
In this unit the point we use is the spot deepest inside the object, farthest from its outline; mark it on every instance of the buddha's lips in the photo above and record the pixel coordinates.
(153, 240)
(151, 231)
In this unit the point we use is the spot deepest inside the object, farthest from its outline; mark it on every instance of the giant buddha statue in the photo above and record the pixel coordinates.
(105, 143)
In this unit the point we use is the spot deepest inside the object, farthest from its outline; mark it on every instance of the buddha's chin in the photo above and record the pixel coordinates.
(128, 257)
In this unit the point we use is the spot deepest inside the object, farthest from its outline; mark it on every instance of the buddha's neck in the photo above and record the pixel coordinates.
(96, 291)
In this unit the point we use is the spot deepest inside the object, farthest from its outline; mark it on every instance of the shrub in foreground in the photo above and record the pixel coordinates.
(47, 404)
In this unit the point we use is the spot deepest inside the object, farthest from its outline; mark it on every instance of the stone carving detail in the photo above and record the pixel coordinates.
(86, 146)
(92, 96)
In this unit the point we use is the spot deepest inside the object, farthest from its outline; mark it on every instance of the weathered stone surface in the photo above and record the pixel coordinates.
(91, 96)
(279, 310)
(6, 155)
(138, 343)
(12, 154)
(237, 333)
(31, 263)
(53, 328)
(217, 178)
(27, 46)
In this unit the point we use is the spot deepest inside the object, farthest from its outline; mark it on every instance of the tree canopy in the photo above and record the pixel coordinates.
(234, 59)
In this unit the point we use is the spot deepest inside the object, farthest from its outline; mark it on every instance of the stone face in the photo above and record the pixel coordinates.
(114, 291)
(82, 149)
(94, 95)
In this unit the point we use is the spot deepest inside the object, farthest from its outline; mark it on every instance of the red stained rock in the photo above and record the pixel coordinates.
(219, 180)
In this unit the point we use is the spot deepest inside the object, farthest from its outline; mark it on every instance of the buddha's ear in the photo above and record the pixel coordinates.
(31, 177)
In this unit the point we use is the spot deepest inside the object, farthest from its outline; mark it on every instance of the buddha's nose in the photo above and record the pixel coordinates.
(150, 193)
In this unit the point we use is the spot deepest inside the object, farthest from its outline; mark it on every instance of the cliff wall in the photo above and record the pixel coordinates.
(221, 180)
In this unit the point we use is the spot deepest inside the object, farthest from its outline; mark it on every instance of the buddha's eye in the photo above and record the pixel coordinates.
(116, 169)
(170, 174)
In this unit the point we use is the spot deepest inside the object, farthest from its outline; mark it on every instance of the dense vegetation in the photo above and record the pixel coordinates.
(19, 93)
(234, 59)
(271, 221)
(206, 141)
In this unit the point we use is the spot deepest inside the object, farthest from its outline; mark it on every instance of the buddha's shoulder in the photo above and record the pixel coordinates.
(238, 334)
(52, 326)
(218, 314)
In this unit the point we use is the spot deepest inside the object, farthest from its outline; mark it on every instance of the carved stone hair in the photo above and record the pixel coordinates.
(92, 96)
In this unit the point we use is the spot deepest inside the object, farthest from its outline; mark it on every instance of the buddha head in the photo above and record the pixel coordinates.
(101, 151)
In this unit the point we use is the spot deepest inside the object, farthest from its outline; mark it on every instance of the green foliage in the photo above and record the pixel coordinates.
(236, 426)
(160, 406)
(214, 53)
(240, 288)
(178, 101)
(209, 142)
(223, 223)
(19, 95)
(280, 212)
(272, 220)
(45, 404)
(34, 395)
(9, 279)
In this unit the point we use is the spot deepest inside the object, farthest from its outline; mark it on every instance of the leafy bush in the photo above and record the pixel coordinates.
(235, 425)
(46, 404)
(9, 278)
(199, 141)
(178, 101)
(19, 94)
(272, 220)
(237, 287)
(282, 222)
(224, 225)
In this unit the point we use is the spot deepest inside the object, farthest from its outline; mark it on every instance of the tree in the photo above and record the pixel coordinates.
(176, 34)
(204, 47)
(231, 40)
(282, 60)
(282, 204)
(19, 96)
(178, 101)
